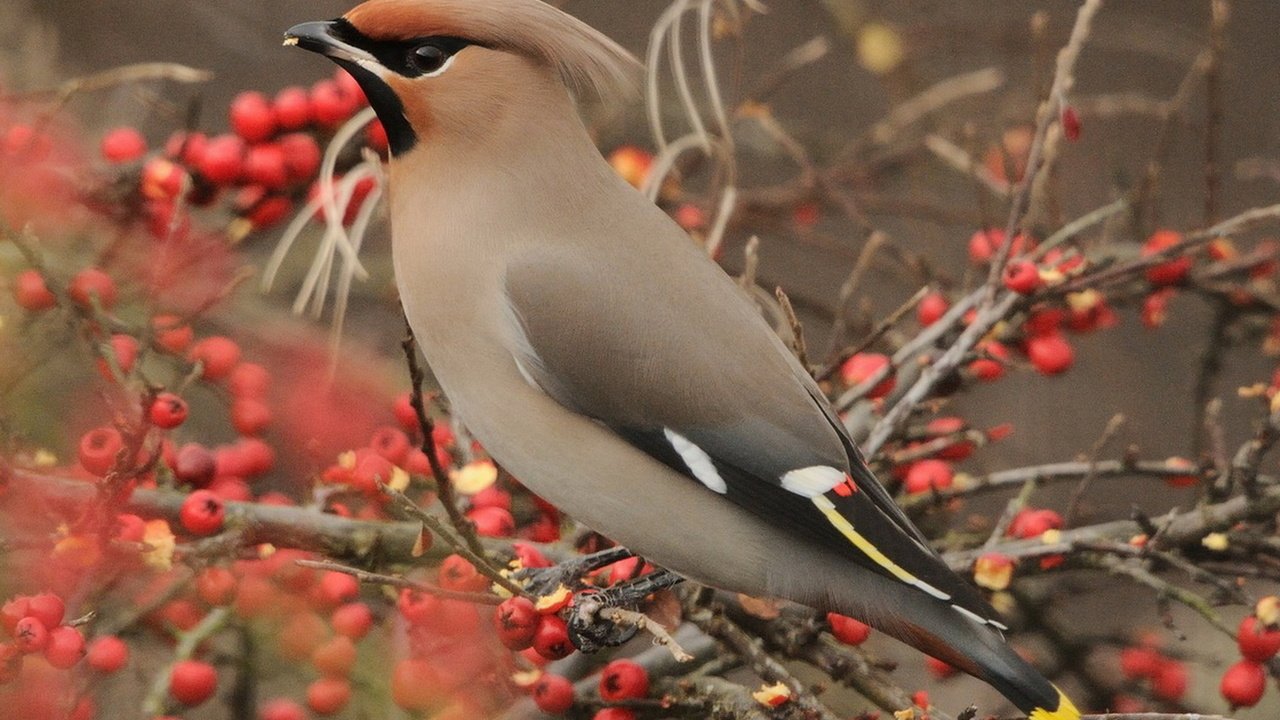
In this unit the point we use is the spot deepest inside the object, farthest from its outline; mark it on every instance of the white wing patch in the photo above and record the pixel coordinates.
(814, 480)
(697, 460)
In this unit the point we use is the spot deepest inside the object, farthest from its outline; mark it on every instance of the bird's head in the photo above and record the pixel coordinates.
(433, 68)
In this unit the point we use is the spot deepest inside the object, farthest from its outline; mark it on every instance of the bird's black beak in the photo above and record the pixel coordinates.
(326, 37)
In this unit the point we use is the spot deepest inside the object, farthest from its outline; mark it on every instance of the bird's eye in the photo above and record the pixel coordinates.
(428, 58)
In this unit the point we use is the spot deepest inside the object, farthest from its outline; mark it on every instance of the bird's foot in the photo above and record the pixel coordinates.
(591, 628)
(569, 574)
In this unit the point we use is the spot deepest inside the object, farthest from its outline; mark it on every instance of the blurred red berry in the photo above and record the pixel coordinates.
(984, 244)
(614, 713)
(13, 611)
(122, 145)
(336, 588)
(1243, 684)
(1172, 271)
(1169, 683)
(492, 521)
(375, 136)
(848, 630)
(292, 108)
(167, 411)
(48, 608)
(98, 449)
(335, 657)
(65, 647)
(249, 380)
(553, 694)
(928, 475)
(252, 117)
(171, 334)
(216, 585)
(191, 682)
(1032, 523)
(931, 309)
(457, 573)
(1050, 354)
(93, 283)
(162, 180)
(124, 350)
(302, 156)
(218, 355)
(354, 620)
(862, 367)
(31, 293)
(282, 709)
(30, 635)
(1022, 277)
(202, 513)
(991, 367)
(250, 416)
(1070, 120)
(265, 165)
(938, 668)
(328, 695)
(328, 107)
(222, 161)
(195, 465)
(391, 444)
(107, 654)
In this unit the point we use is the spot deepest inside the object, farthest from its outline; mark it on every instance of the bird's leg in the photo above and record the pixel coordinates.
(590, 629)
(544, 581)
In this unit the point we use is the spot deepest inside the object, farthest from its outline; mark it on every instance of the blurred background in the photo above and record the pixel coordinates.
(1138, 47)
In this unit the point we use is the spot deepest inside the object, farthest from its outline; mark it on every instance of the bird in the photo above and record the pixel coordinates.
(600, 356)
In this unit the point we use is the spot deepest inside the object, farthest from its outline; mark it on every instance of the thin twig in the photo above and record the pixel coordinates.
(403, 583)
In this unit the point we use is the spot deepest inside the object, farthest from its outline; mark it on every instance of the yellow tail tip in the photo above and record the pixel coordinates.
(1065, 710)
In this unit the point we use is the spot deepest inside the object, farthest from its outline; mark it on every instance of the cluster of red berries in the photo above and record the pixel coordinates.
(1244, 683)
(34, 625)
(1166, 677)
(269, 159)
(619, 680)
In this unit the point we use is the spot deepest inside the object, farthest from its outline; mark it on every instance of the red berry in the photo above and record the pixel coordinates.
(553, 694)
(13, 611)
(218, 354)
(938, 668)
(302, 156)
(1170, 680)
(250, 416)
(191, 682)
(391, 444)
(1022, 277)
(984, 244)
(931, 309)
(1243, 684)
(265, 165)
(848, 630)
(1257, 642)
(47, 608)
(171, 334)
(614, 713)
(292, 108)
(623, 680)
(282, 709)
(492, 521)
(30, 635)
(990, 368)
(216, 585)
(252, 117)
(186, 147)
(107, 654)
(530, 556)
(162, 180)
(202, 513)
(65, 647)
(129, 528)
(551, 639)
(375, 135)
(98, 449)
(124, 350)
(1050, 354)
(1172, 271)
(328, 695)
(372, 471)
(457, 573)
(335, 657)
(123, 145)
(353, 620)
(92, 283)
(336, 588)
(222, 160)
(167, 411)
(1070, 120)
(31, 293)
(1031, 523)
(249, 380)
(492, 496)
(328, 107)
(195, 465)
(927, 475)
(516, 621)
(417, 608)
(402, 408)
(270, 212)
(862, 366)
